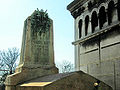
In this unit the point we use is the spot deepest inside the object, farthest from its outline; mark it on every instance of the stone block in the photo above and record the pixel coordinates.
(108, 79)
(117, 81)
(91, 57)
(111, 52)
(110, 38)
(117, 71)
(107, 68)
(89, 48)
(81, 49)
(94, 69)
(117, 66)
(84, 68)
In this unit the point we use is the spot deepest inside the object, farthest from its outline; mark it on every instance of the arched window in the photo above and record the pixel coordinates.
(94, 21)
(80, 28)
(111, 8)
(86, 24)
(118, 9)
(102, 17)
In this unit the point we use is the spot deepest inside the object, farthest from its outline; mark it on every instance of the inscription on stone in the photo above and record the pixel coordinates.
(41, 51)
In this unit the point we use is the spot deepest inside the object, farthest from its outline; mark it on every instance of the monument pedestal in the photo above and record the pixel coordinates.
(26, 74)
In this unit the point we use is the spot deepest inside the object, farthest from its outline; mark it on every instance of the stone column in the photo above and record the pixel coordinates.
(89, 27)
(83, 29)
(76, 28)
(106, 23)
(77, 58)
(115, 15)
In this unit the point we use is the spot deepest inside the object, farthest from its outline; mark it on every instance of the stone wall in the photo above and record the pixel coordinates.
(103, 62)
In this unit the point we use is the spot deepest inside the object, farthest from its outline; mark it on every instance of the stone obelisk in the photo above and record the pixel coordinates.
(37, 51)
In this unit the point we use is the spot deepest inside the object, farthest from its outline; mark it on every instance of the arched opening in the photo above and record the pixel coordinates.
(86, 24)
(118, 9)
(94, 21)
(111, 8)
(80, 28)
(102, 17)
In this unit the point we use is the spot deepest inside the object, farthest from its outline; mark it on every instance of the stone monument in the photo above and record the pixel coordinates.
(37, 52)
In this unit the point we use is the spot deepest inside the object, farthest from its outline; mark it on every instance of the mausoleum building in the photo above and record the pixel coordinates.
(97, 38)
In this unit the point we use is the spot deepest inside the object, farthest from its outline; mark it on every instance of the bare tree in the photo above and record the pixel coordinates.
(65, 66)
(2, 66)
(1, 62)
(9, 58)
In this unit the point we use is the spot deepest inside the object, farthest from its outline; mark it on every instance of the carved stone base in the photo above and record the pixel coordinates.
(26, 74)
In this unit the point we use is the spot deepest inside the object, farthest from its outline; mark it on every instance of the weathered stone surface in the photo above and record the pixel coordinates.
(108, 79)
(84, 68)
(117, 81)
(111, 52)
(67, 81)
(94, 69)
(97, 33)
(88, 58)
(117, 74)
(37, 51)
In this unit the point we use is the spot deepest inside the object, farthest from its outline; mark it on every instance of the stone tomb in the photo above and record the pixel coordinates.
(36, 70)
(67, 81)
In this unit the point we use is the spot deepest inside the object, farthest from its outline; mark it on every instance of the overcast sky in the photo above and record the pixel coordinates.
(14, 12)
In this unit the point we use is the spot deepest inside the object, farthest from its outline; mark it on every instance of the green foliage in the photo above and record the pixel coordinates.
(40, 22)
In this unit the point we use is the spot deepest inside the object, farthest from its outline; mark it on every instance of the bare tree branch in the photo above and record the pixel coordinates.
(9, 58)
(65, 66)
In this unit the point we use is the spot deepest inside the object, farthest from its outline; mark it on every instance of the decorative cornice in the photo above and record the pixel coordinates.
(76, 7)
